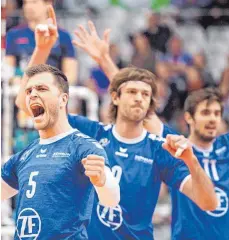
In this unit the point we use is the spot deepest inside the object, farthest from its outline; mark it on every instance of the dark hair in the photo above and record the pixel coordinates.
(60, 78)
(210, 94)
(132, 74)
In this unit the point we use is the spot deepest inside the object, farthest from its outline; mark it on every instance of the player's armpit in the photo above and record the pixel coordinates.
(7, 191)
(109, 194)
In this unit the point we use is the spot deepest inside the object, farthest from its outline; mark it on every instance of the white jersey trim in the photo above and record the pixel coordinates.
(199, 149)
(162, 129)
(56, 138)
(129, 140)
(183, 182)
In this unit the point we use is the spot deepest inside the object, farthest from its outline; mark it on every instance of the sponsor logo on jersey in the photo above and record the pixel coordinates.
(28, 224)
(143, 159)
(61, 155)
(222, 203)
(122, 152)
(104, 142)
(110, 217)
(22, 40)
(155, 137)
(26, 154)
(221, 150)
(43, 150)
(42, 153)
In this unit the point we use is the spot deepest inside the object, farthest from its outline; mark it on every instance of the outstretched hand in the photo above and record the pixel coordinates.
(91, 43)
(47, 34)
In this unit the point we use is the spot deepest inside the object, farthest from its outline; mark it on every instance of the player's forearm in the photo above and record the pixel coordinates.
(39, 56)
(109, 194)
(108, 66)
(6, 191)
(202, 188)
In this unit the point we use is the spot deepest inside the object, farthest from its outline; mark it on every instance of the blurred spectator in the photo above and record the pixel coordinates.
(176, 55)
(215, 13)
(224, 83)
(143, 56)
(200, 63)
(180, 65)
(224, 87)
(20, 42)
(190, 3)
(12, 19)
(157, 34)
(168, 94)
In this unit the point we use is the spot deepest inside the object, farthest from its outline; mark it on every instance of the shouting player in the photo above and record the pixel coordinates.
(138, 161)
(54, 175)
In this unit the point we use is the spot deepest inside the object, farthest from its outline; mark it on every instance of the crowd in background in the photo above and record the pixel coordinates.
(185, 43)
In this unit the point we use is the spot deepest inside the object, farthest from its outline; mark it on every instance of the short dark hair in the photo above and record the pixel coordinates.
(210, 94)
(133, 74)
(60, 78)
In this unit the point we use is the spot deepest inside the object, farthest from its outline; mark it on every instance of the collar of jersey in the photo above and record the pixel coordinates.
(56, 138)
(128, 140)
(207, 151)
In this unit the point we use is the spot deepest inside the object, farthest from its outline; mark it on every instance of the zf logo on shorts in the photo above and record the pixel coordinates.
(222, 203)
(110, 217)
(28, 224)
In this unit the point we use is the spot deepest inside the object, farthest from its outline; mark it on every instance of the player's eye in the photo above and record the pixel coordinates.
(205, 112)
(42, 89)
(146, 94)
(28, 91)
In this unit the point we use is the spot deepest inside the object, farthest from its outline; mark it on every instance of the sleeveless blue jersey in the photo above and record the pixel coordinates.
(189, 222)
(55, 197)
(139, 165)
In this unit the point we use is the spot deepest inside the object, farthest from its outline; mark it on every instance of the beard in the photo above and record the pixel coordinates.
(204, 138)
(50, 118)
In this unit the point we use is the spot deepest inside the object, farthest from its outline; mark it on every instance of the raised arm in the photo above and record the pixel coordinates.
(198, 186)
(45, 37)
(97, 48)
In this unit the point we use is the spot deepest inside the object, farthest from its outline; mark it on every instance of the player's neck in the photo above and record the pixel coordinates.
(200, 143)
(129, 129)
(61, 126)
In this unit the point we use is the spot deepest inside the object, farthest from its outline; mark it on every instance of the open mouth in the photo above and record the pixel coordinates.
(37, 110)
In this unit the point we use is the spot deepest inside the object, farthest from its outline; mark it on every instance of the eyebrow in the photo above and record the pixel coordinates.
(37, 86)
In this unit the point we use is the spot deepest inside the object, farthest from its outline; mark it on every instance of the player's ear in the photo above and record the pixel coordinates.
(188, 118)
(114, 97)
(63, 100)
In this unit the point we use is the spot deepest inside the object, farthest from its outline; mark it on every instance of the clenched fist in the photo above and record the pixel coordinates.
(179, 147)
(95, 169)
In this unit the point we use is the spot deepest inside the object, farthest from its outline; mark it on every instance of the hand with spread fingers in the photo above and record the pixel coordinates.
(91, 43)
(95, 169)
(47, 34)
(179, 147)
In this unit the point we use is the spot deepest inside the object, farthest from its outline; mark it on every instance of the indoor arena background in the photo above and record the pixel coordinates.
(144, 34)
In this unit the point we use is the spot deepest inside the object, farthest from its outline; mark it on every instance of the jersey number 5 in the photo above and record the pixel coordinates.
(32, 183)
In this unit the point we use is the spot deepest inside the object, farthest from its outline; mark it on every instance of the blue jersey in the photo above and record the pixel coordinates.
(139, 165)
(91, 128)
(20, 42)
(55, 197)
(188, 220)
